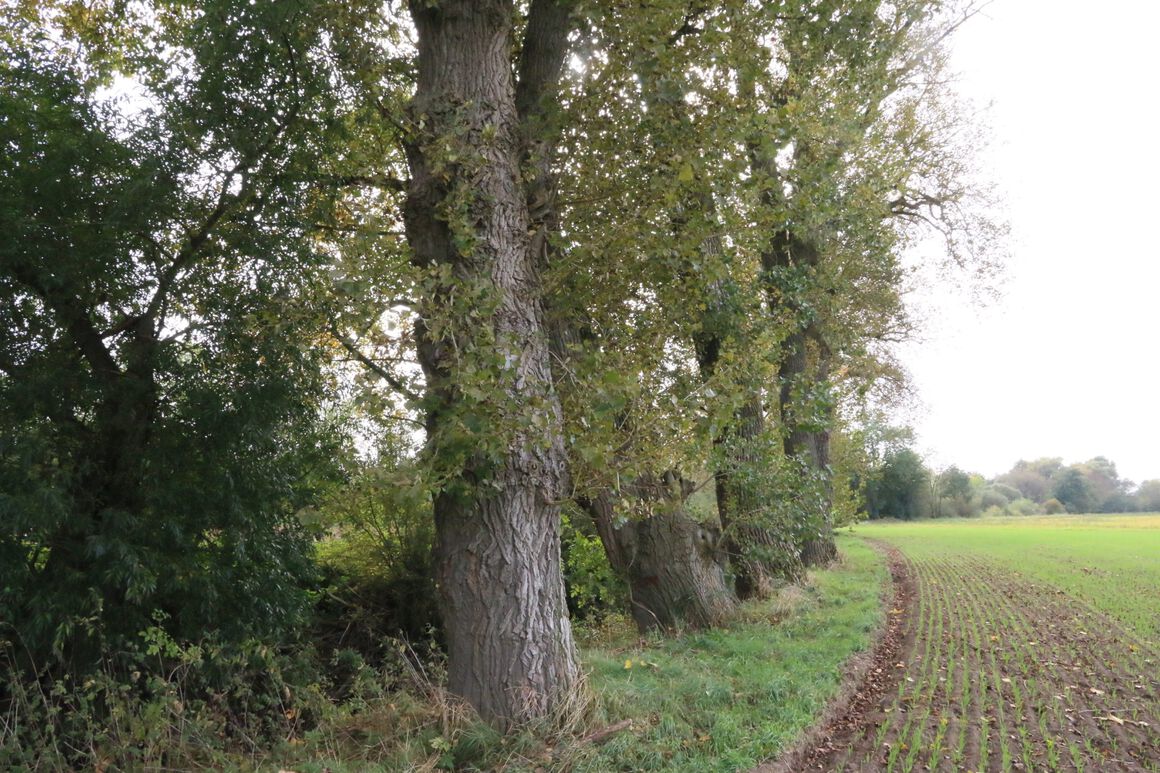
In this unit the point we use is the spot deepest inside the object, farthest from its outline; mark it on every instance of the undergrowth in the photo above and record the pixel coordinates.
(717, 700)
(714, 700)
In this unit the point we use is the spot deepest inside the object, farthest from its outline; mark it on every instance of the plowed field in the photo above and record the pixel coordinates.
(992, 669)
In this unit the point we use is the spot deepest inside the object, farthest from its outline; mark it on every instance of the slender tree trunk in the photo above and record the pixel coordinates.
(493, 421)
(750, 545)
(808, 442)
(759, 556)
(111, 483)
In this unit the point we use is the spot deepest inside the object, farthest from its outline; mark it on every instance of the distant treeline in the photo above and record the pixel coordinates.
(902, 486)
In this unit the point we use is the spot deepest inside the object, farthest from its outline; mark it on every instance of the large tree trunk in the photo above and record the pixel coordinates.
(493, 421)
(789, 256)
(673, 564)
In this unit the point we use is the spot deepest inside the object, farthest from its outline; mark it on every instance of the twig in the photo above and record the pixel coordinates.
(598, 737)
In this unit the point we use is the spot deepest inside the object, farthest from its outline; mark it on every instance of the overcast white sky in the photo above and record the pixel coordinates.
(1067, 363)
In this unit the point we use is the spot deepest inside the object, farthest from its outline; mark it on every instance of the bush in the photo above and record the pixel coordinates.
(378, 563)
(993, 498)
(593, 588)
(1010, 492)
(1024, 506)
(168, 703)
(1053, 507)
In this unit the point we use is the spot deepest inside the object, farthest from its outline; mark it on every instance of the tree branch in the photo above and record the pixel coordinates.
(545, 46)
(382, 181)
(70, 310)
(227, 203)
(376, 368)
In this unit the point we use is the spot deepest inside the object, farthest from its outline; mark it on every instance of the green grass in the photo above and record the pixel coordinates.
(729, 699)
(725, 699)
(1111, 562)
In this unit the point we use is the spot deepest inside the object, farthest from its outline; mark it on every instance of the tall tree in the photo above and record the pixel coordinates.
(159, 404)
(849, 152)
(493, 420)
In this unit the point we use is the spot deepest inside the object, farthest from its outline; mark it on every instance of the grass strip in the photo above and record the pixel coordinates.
(730, 698)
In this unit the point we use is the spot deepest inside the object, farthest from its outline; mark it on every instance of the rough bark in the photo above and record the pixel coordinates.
(673, 564)
(510, 648)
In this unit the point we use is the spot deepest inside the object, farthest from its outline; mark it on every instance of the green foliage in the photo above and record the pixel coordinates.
(900, 488)
(377, 537)
(786, 499)
(992, 498)
(849, 461)
(1073, 491)
(160, 397)
(954, 483)
(160, 702)
(1091, 486)
(1024, 507)
(594, 590)
(1148, 496)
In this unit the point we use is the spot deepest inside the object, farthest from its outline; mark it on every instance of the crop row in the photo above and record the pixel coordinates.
(1002, 674)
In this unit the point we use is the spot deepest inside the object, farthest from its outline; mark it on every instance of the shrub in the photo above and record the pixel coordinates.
(1024, 506)
(378, 563)
(993, 498)
(164, 702)
(1053, 507)
(1010, 492)
(593, 588)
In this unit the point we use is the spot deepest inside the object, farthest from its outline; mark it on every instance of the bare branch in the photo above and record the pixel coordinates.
(376, 368)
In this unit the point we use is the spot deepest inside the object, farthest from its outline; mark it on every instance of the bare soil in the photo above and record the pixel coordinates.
(980, 669)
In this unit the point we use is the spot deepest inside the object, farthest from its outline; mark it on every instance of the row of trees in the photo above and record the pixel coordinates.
(592, 255)
(902, 486)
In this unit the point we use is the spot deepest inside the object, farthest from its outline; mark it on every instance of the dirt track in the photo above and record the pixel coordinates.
(982, 670)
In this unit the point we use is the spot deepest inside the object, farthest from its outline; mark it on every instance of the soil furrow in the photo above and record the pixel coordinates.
(980, 669)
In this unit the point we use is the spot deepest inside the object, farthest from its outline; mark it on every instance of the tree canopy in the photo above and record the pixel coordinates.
(502, 258)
